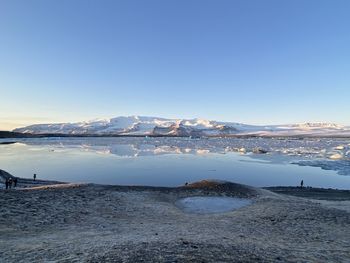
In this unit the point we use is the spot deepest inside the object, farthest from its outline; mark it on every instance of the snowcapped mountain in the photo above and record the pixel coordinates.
(154, 126)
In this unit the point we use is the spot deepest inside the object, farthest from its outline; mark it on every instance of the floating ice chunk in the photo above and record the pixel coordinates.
(202, 151)
(339, 147)
(242, 150)
(336, 156)
(259, 150)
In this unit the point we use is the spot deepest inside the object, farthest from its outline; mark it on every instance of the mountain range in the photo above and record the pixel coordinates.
(155, 126)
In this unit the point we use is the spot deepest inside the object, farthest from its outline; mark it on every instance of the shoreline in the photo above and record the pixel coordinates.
(312, 192)
(316, 193)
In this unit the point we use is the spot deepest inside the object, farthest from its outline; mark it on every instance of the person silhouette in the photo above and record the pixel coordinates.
(301, 183)
(10, 183)
(34, 177)
(15, 182)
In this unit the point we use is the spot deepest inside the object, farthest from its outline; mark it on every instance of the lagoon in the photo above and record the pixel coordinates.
(175, 161)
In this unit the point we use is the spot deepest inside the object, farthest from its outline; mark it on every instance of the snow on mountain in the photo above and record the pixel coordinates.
(316, 125)
(141, 125)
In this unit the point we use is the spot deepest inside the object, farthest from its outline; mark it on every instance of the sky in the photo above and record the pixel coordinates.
(250, 61)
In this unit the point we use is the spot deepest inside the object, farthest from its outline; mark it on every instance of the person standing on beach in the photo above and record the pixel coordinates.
(15, 182)
(10, 183)
(301, 184)
(7, 183)
(34, 177)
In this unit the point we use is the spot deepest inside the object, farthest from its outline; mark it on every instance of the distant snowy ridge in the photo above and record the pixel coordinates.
(311, 125)
(154, 126)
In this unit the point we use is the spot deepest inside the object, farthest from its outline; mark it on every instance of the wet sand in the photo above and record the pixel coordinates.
(96, 223)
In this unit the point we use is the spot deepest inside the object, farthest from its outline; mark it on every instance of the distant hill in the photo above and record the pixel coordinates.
(8, 134)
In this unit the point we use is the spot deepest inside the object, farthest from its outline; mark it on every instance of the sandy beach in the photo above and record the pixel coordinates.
(96, 223)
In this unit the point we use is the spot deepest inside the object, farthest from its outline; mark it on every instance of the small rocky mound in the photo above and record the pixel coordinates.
(238, 190)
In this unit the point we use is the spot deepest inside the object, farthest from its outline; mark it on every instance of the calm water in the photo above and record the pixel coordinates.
(157, 162)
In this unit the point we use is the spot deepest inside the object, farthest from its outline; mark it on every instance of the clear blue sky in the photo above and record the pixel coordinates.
(249, 61)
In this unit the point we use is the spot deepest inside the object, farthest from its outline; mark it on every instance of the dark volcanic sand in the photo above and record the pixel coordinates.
(93, 223)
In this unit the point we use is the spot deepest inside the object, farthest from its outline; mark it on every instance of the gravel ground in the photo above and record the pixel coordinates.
(94, 223)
